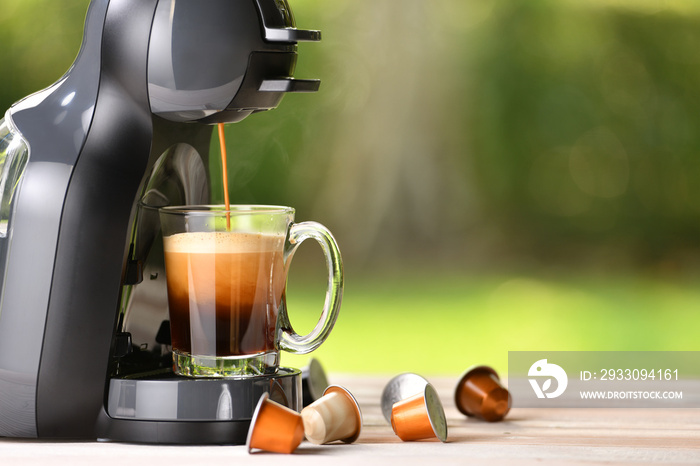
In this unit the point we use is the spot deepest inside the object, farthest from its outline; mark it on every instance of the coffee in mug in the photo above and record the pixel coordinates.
(226, 276)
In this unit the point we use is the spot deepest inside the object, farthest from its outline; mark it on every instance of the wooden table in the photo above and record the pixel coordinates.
(527, 436)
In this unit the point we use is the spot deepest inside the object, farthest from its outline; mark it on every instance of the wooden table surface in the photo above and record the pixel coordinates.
(527, 436)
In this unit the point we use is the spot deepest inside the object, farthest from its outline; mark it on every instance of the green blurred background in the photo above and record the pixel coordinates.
(501, 175)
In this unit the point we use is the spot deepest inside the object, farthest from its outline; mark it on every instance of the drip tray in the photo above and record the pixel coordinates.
(184, 399)
(177, 410)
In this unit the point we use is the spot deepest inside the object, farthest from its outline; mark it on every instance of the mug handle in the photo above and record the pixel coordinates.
(289, 340)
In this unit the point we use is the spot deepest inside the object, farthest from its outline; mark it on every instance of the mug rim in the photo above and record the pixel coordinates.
(234, 209)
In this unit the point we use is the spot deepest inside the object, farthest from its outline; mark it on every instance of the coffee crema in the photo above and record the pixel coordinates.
(226, 285)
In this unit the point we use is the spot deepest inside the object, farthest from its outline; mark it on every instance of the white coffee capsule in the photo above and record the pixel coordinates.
(334, 416)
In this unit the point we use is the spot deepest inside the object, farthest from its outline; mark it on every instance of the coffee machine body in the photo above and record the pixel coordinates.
(85, 164)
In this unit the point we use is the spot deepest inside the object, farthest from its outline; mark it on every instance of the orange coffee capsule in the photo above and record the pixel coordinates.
(420, 417)
(274, 427)
(480, 393)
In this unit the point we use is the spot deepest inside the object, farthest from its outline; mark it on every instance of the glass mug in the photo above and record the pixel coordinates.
(226, 277)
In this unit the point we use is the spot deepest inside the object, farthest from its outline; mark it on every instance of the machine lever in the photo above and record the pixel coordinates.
(292, 35)
(290, 85)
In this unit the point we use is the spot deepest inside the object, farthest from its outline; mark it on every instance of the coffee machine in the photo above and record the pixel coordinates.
(85, 164)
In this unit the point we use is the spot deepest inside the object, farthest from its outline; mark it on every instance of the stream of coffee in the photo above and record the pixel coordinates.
(224, 170)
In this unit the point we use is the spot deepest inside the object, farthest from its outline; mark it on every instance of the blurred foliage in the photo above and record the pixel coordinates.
(442, 323)
(586, 143)
(471, 133)
(40, 40)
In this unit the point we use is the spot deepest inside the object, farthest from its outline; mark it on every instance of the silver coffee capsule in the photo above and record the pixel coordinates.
(399, 388)
(313, 382)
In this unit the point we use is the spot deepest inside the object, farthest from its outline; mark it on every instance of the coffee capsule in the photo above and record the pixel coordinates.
(334, 416)
(420, 417)
(274, 427)
(480, 393)
(313, 382)
(399, 388)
